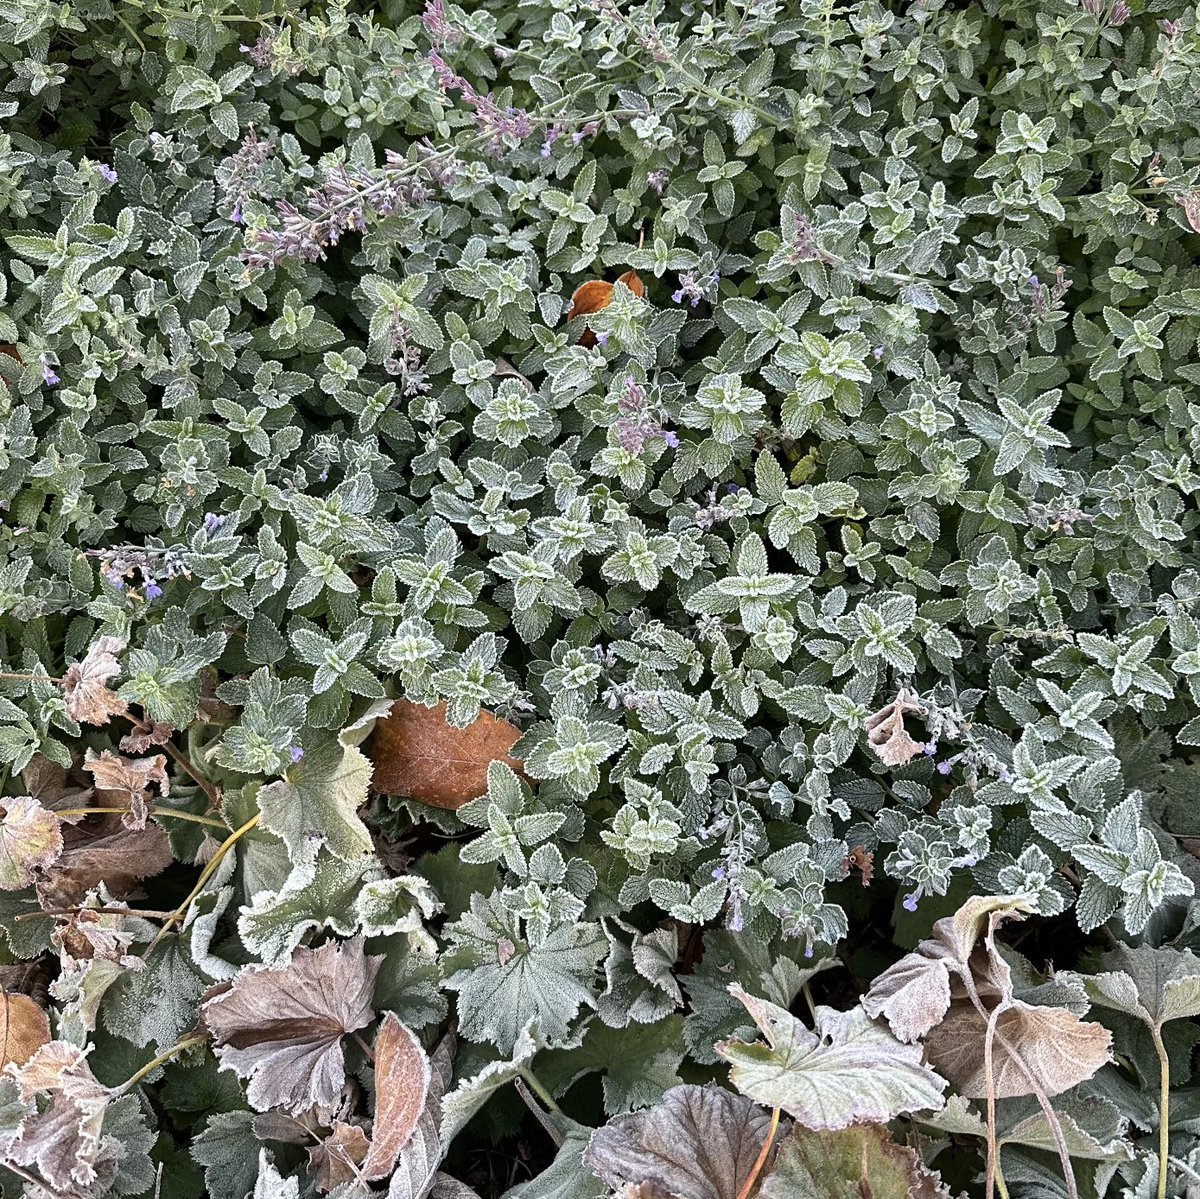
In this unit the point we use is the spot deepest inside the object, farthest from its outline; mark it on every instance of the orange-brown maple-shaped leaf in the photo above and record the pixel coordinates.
(24, 1029)
(30, 840)
(419, 755)
(402, 1074)
(281, 1029)
(595, 294)
(85, 685)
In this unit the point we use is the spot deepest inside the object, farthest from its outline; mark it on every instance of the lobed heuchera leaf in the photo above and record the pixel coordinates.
(281, 1030)
(849, 1070)
(862, 1161)
(85, 684)
(418, 754)
(30, 840)
(402, 1075)
(698, 1143)
(1154, 985)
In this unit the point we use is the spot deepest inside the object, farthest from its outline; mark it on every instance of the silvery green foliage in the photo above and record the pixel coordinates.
(906, 407)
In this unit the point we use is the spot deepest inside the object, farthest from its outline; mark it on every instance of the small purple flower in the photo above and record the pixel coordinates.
(944, 768)
(736, 923)
(323, 475)
(602, 339)
(910, 902)
(546, 150)
(1005, 775)
(1170, 28)
(1034, 281)
(1118, 14)
(115, 579)
(930, 748)
(295, 753)
(677, 297)
(213, 523)
(153, 590)
(657, 180)
(106, 172)
(236, 215)
(671, 438)
(718, 873)
(48, 375)
(877, 353)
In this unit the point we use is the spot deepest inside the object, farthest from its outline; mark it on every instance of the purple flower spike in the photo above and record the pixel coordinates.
(736, 923)
(115, 579)
(212, 522)
(910, 902)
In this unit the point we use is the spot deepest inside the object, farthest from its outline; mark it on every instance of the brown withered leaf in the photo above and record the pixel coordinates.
(119, 859)
(281, 1029)
(419, 755)
(54, 787)
(697, 1143)
(62, 1142)
(127, 781)
(595, 294)
(144, 736)
(1052, 1044)
(336, 1160)
(30, 840)
(24, 1028)
(85, 685)
(859, 1161)
(886, 734)
(402, 1075)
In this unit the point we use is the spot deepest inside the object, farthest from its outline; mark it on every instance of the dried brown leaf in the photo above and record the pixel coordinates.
(336, 1160)
(119, 859)
(30, 840)
(915, 993)
(1052, 1044)
(698, 1143)
(85, 685)
(145, 736)
(24, 1029)
(418, 754)
(127, 781)
(886, 734)
(281, 1029)
(54, 788)
(62, 1141)
(402, 1076)
(596, 294)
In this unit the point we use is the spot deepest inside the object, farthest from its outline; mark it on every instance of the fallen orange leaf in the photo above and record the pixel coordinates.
(595, 294)
(24, 1028)
(420, 756)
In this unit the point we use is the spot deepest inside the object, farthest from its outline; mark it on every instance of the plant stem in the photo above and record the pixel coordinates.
(180, 759)
(205, 874)
(154, 810)
(29, 678)
(540, 1091)
(1164, 1110)
(144, 913)
(154, 1063)
(760, 1161)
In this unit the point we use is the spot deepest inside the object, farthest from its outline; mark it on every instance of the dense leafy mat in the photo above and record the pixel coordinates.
(599, 596)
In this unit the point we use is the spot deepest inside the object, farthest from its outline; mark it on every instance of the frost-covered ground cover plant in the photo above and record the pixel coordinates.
(599, 596)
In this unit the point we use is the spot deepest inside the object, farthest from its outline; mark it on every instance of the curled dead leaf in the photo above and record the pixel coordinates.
(419, 755)
(886, 734)
(24, 1029)
(596, 294)
(127, 781)
(118, 859)
(85, 685)
(402, 1076)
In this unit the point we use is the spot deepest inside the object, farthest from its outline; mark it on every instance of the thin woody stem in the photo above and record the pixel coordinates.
(179, 758)
(154, 810)
(154, 1063)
